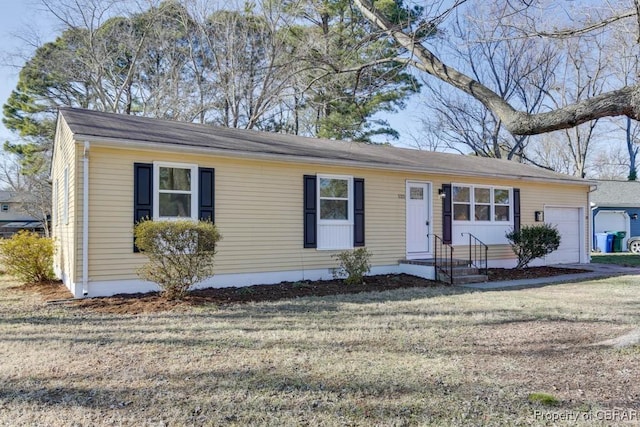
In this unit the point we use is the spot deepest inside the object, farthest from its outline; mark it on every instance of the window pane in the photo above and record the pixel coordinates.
(461, 194)
(334, 187)
(175, 179)
(501, 197)
(177, 205)
(502, 213)
(482, 195)
(416, 193)
(461, 212)
(482, 213)
(333, 209)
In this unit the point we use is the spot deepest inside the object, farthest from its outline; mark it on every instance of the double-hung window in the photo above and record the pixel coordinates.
(54, 198)
(501, 204)
(335, 209)
(65, 201)
(175, 187)
(481, 204)
(461, 203)
(334, 198)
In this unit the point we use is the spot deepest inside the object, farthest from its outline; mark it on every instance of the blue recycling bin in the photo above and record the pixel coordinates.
(610, 238)
(604, 242)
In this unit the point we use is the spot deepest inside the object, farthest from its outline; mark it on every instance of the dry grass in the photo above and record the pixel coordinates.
(435, 356)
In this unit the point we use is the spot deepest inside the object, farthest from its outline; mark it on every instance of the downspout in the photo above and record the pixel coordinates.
(85, 220)
(592, 207)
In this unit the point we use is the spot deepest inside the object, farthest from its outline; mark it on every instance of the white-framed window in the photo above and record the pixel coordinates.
(65, 201)
(479, 203)
(5, 207)
(461, 197)
(54, 198)
(175, 190)
(334, 198)
(501, 205)
(335, 211)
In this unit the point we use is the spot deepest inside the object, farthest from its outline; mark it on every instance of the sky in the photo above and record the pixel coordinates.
(16, 16)
(19, 17)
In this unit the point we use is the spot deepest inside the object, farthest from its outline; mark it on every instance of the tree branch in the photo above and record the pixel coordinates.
(573, 32)
(616, 103)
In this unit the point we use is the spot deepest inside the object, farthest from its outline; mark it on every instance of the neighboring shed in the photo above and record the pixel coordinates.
(615, 206)
(284, 204)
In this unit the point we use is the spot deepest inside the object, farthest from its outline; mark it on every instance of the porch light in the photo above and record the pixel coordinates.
(442, 195)
(634, 216)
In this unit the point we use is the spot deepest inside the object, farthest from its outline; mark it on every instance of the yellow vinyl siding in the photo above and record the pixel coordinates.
(552, 195)
(65, 235)
(258, 209)
(533, 197)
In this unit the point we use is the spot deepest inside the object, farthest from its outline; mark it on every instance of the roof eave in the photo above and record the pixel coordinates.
(137, 144)
(616, 205)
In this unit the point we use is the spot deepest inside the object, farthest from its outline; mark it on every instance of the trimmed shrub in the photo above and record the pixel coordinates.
(353, 265)
(181, 253)
(534, 241)
(28, 257)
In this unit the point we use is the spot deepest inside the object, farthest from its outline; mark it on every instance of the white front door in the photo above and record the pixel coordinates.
(418, 199)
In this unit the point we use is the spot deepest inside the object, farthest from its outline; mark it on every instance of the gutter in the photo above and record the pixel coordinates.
(85, 220)
(123, 144)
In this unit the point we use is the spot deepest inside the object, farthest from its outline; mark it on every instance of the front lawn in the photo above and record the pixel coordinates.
(418, 356)
(622, 258)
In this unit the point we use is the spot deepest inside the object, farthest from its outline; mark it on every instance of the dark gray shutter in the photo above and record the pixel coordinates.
(310, 212)
(358, 212)
(446, 214)
(142, 193)
(206, 194)
(516, 209)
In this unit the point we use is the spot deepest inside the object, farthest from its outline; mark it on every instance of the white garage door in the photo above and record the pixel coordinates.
(567, 221)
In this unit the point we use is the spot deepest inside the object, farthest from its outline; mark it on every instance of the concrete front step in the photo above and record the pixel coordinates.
(471, 278)
(465, 271)
(464, 275)
(431, 262)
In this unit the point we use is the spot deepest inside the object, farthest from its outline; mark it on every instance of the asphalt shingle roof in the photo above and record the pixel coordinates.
(96, 126)
(617, 194)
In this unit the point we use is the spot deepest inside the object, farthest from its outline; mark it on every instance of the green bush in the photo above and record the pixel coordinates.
(181, 253)
(28, 257)
(353, 265)
(534, 241)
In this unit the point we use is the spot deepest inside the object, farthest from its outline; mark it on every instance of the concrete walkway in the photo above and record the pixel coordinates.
(596, 271)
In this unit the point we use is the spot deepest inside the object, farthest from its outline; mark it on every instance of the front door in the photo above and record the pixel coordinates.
(418, 216)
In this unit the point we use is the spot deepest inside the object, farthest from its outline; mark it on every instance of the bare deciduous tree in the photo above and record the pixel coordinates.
(621, 101)
(517, 69)
(584, 69)
(610, 163)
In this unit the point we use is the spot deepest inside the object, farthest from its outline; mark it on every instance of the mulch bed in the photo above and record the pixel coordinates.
(152, 302)
(502, 274)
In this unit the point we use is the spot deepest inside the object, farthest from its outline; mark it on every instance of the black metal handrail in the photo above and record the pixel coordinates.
(444, 262)
(478, 253)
